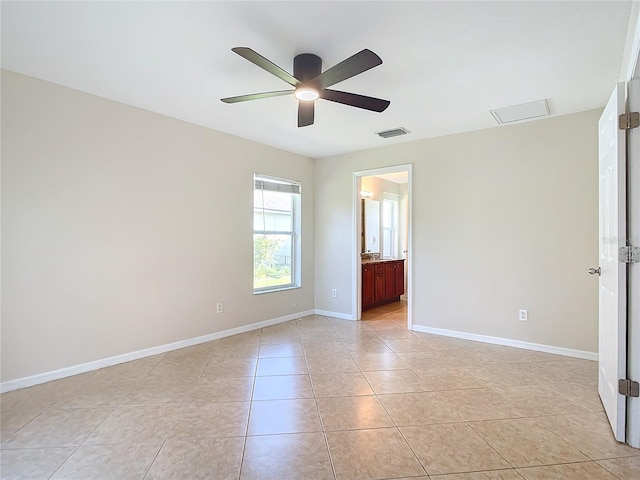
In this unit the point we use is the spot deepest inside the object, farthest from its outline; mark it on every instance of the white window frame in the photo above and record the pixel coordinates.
(265, 182)
(394, 247)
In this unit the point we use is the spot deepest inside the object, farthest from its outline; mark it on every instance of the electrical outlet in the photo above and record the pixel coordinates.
(334, 293)
(522, 315)
(295, 307)
(219, 307)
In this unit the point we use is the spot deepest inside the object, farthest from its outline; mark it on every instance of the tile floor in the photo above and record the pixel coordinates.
(320, 398)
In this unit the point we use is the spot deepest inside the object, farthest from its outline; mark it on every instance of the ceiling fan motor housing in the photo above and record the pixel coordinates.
(306, 67)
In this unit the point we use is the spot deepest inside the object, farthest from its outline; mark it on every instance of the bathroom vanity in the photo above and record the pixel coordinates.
(382, 282)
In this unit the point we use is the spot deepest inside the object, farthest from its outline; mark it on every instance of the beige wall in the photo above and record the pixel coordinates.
(503, 219)
(122, 228)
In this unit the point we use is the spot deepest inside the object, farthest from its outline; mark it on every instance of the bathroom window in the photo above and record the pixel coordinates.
(389, 226)
(276, 234)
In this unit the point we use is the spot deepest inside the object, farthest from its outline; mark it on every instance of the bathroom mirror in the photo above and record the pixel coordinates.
(371, 226)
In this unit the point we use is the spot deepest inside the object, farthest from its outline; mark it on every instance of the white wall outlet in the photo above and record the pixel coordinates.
(219, 307)
(334, 292)
(522, 315)
(295, 307)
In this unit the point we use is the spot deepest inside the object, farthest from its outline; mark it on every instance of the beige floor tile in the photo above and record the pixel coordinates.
(216, 389)
(480, 404)
(13, 420)
(214, 420)
(468, 358)
(624, 468)
(546, 372)
(590, 433)
(331, 364)
(406, 345)
(319, 349)
(247, 338)
(340, 385)
(538, 400)
(236, 351)
(448, 378)
(282, 366)
(418, 409)
(425, 360)
(311, 337)
(441, 343)
(398, 333)
(108, 462)
(359, 335)
(499, 375)
(198, 459)
(350, 413)
(290, 335)
(276, 350)
(32, 399)
(135, 370)
(452, 448)
(571, 471)
(32, 463)
(524, 443)
(135, 424)
(372, 454)
(282, 387)
(230, 367)
(583, 394)
(94, 395)
(58, 428)
(271, 417)
(299, 455)
(367, 346)
(395, 381)
(586, 370)
(487, 475)
(175, 370)
(157, 391)
(374, 361)
(316, 322)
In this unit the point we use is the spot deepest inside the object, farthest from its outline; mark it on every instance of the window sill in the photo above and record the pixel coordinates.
(278, 289)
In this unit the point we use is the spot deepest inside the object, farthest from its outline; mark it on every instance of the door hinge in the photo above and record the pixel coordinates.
(628, 388)
(629, 120)
(629, 254)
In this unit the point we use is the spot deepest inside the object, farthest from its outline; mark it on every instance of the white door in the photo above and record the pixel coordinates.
(612, 295)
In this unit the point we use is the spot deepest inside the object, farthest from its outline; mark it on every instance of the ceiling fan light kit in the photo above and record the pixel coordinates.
(310, 82)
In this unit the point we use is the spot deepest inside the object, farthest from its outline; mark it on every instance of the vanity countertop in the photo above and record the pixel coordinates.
(381, 260)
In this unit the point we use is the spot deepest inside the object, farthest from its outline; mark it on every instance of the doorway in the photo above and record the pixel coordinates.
(391, 188)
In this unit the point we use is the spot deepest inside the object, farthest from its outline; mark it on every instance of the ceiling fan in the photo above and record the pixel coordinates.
(310, 82)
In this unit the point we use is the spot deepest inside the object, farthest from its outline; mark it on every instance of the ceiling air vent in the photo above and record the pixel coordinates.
(393, 133)
(525, 111)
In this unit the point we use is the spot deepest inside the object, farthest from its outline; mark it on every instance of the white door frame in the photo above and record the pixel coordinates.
(356, 273)
(633, 272)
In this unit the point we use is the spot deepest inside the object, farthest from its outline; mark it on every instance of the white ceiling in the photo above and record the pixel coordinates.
(446, 64)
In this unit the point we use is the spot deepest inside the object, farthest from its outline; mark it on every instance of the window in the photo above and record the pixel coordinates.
(276, 234)
(389, 227)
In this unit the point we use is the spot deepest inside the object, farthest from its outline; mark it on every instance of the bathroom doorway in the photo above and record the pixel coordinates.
(383, 236)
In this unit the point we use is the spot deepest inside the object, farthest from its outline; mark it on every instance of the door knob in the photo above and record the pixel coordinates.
(594, 271)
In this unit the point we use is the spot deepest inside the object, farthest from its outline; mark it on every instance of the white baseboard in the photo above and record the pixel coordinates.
(343, 316)
(147, 352)
(509, 343)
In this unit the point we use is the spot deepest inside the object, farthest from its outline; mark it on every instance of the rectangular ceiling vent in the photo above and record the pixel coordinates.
(524, 111)
(393, 133)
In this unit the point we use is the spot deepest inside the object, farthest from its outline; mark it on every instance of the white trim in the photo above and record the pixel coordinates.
(569, 352)
(343, 316)
(147, 352)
